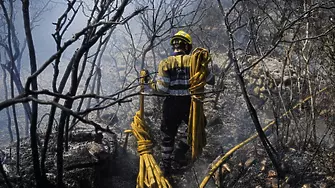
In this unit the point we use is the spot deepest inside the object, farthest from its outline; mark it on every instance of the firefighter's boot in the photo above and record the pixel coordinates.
(180, 154)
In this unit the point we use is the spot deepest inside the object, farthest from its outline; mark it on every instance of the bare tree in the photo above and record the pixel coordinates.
(262, 29)
(103, 17)
(9, 122)
(231, 28)
(161, 20)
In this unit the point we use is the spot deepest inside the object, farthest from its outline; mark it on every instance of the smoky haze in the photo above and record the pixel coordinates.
(123, 56)
(280, 52)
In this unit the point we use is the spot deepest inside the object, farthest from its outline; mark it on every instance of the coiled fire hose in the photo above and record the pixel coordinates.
(150, 175)
(196, 124)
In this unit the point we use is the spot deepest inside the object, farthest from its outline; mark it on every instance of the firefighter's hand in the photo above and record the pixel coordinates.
(147, 77)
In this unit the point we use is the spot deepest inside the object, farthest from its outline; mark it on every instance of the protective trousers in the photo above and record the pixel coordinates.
(175, 110)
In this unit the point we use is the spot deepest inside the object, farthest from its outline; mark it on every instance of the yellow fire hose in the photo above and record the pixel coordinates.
(230, 152)
(196, 125)
(150, 175)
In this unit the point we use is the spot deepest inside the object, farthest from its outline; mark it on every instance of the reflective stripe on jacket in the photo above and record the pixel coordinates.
(174, 74)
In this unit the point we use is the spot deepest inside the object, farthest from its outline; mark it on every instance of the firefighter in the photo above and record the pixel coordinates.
(173, 79)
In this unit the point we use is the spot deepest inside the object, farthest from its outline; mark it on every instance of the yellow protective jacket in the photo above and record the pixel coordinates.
(174, 74)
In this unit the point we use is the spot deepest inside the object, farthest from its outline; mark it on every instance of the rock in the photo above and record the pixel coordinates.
(272, 174)
(272, 182)
(249, 162)
(89, 154)
(323, 185)
(97, 150)
(263, 163)
(306, 186)
(81, 136)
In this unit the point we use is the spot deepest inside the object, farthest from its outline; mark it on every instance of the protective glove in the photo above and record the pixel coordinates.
(147, 77)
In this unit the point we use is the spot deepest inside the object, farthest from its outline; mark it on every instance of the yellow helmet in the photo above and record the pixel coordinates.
(183, 36)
